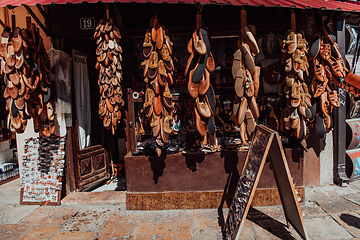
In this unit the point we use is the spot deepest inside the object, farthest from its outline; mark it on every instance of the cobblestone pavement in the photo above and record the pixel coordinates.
(330, 212)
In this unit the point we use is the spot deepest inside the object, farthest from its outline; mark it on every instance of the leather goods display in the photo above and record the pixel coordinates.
(25, 67)
(329, 69)
(199, 66)
(298, 99)
(108, 63)
(246, 76)
(158, 71)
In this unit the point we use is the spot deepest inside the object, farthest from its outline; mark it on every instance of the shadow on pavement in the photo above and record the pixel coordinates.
(268, 223)
(350, 220)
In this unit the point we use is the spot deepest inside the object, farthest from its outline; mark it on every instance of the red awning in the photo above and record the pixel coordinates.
(346, 5)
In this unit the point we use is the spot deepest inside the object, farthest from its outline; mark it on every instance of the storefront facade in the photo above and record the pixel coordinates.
(183, 177)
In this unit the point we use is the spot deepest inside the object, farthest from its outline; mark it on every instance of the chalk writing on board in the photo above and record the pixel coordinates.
(239, 204)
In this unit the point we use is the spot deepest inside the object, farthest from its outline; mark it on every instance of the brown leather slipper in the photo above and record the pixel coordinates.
(189, 46)
(248, 59)
(198, 42)
(256, 78)
(250, 122)
(193, 88)
(239, 83)
(191, 62)
(254, 107)
(147, 45)
(153, 65)
(297, 60)
(236, 63)
(157, 105)
(200, 124)
(334, 98)
(204, 83)
(155, 84)
(249, 87)
(154, 23)
(242, 110)
(210, 63)
(243, 134)
(250, 39)
(164, 135)
(163, 75)
(155, 125)
(159, 37)
(148, 104)
(202, 106)
(167, 97)
(290, 79)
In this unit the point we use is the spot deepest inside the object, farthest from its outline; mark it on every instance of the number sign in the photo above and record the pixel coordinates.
(87, 23)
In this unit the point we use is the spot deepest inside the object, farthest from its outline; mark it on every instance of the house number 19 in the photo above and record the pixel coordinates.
(87, 23)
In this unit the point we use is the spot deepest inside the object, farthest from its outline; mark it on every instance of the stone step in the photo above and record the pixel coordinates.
(105, 197)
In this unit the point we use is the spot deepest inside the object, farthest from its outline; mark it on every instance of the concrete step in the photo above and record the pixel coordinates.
(105, 197)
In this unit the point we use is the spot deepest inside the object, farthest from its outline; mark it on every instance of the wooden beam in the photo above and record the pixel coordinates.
(2, 23)
(43, 13)
(33, 15)
(6, 16)
(293, 21)
(13, 22)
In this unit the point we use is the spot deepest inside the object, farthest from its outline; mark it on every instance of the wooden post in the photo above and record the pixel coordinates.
(243, 17)
(13, 22)
(28, 22)
(293, 21)
(6, 16)
(107, 14)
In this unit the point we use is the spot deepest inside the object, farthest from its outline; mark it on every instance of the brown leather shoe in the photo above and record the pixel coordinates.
(198, 42)
(254, 108)
(148, 104)
(155, 84)
(248, 58)
(200, 124)
(242, 110)
(193, 88)
(250, 122)
(334, 98)
(249, 88)
(167, 97)
(210, 63)
(237, 64)
(203, 107)
(250, 39)
(256, 79)
(163, 75)
(243, 134)
(147, 45)
(157, 105)
(204, 83)
(153, 65)
(159, 37)
(155, 124)
(239, 83)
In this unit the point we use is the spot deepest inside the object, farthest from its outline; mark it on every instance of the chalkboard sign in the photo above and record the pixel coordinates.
(266, 143)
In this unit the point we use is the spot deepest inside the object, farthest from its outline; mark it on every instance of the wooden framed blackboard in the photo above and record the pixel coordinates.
(266, 143)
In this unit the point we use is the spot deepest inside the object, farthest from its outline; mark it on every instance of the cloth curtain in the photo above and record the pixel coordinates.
(82, 98)
(60, 76)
